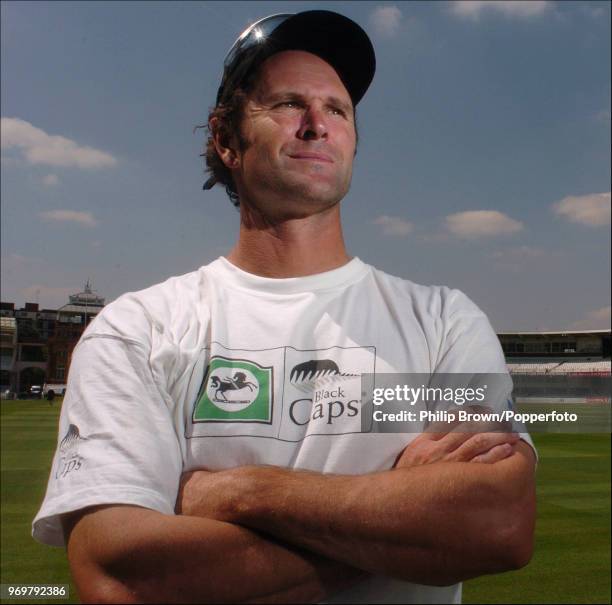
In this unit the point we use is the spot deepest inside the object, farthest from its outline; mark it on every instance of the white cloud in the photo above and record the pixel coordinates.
(50, 180)
(598, 319)
(83, 218)
(394, 225)
(38, 147)
(592, 210)
(386, 20)
(474, 224)
(522, 9)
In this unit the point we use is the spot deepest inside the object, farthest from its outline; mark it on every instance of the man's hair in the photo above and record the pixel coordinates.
(229, 116)
(229, 121)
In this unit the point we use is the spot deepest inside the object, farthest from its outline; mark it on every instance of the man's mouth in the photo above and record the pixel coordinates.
(313, 157)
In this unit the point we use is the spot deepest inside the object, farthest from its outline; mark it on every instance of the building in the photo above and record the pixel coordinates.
(8, 352)
(31, 360)
(72, 319)
(37, 344)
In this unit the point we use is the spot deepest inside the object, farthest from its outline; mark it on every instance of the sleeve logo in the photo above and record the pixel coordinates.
(69, 459)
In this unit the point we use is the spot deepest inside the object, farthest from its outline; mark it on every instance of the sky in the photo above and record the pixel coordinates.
(483, 161)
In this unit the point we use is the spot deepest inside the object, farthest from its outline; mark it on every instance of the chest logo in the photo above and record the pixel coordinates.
(235, 390)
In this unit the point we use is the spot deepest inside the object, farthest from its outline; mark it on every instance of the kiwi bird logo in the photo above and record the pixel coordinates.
(317, 370)
(71, 439)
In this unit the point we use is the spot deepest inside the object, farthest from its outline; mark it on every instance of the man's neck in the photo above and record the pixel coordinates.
(290, 248)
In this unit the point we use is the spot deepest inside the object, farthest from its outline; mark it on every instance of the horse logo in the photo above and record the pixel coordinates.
(235, 389)
(222, 387)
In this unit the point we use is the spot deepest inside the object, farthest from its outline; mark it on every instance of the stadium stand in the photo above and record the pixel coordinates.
(564, 367)
(559, 367)
(582, 367)
(531, 368)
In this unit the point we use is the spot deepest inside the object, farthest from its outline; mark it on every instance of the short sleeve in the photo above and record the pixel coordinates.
(470, 346)
(117, 443)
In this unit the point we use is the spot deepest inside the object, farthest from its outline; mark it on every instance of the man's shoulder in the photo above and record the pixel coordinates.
(459, 335)
(134, 315)
(437, 300)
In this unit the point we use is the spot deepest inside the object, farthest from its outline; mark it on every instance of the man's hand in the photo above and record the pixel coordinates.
(469, 441)
(457, 447)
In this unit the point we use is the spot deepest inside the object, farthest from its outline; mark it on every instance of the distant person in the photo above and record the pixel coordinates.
(209, 446)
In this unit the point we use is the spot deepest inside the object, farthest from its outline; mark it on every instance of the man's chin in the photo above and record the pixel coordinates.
(311, 202)
(298, 197)
(315, 191)
(298, 207)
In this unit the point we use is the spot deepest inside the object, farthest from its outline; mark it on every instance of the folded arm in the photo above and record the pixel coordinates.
(127, 554)
(435, 523)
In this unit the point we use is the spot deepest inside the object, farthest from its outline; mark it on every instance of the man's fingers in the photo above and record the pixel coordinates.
(481, 443)
(452, 441)
(431, 434)
(463, 444)
(495, 454)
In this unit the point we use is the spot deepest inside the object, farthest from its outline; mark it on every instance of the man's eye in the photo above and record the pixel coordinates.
(336, 111)
(289, 104)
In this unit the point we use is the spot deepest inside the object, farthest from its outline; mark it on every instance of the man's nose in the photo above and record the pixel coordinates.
(314, 125)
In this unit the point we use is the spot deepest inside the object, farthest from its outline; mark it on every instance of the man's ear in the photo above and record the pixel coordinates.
(226, 148)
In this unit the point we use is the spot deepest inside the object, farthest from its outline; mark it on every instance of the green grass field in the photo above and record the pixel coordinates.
(572, 556)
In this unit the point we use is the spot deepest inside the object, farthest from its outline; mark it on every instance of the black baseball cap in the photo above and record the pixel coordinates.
(335, 38)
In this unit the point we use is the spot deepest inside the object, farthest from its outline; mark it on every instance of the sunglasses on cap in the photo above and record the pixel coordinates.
(240, 59)
(241, 56)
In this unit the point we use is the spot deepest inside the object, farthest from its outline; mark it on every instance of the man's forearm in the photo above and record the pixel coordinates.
(433, 524)
(129, 554)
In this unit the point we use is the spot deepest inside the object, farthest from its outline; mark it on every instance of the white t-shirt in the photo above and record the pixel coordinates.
(221, 368)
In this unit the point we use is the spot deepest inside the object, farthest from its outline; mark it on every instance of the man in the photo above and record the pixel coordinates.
(231, 396)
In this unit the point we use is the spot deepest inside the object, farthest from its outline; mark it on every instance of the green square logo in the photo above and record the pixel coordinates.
(235, 390)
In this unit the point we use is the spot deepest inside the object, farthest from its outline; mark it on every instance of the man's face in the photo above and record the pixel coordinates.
(300, 138)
